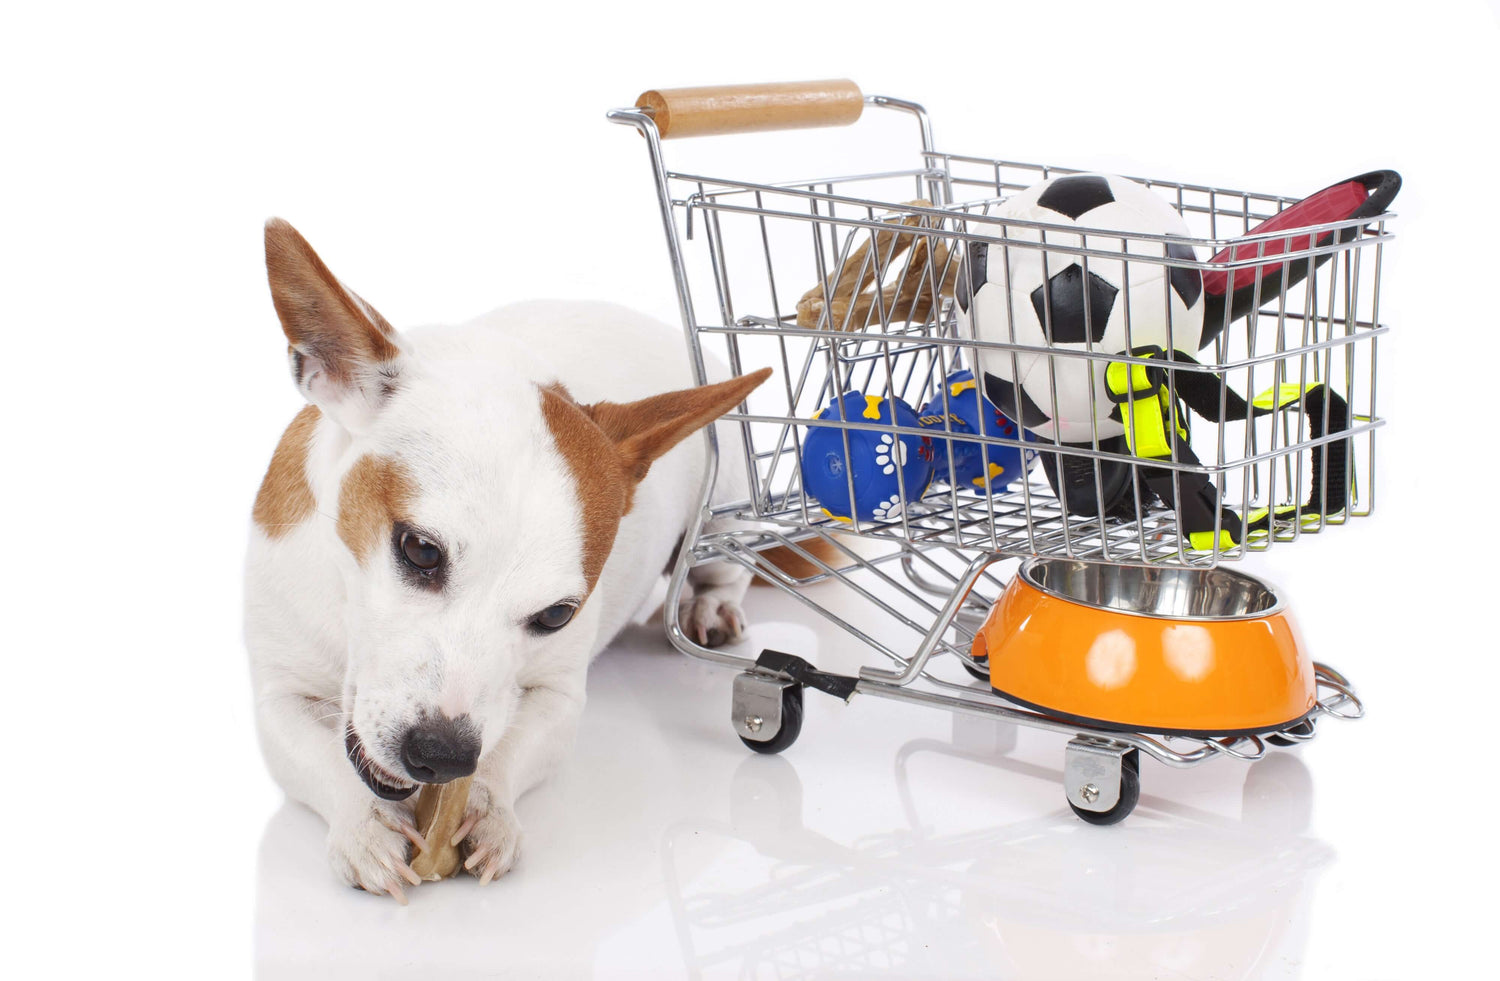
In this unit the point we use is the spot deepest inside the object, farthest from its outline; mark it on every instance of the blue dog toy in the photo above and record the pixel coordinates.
(965, 408)
(873, 461)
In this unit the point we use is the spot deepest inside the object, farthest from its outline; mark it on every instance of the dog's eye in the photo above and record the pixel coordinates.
(420, 553)
(555, 616)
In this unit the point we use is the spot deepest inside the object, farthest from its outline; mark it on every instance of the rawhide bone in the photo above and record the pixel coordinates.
(852, 296)
(440, 812)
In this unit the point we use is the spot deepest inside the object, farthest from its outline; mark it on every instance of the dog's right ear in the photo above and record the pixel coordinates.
(345, 358)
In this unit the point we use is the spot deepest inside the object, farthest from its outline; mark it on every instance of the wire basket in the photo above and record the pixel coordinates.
(1322, 331)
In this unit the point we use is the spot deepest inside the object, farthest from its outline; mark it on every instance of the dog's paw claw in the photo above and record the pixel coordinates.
(370, 852)
(711, 621)
(398, 820)
(493, 843)
(464, 829)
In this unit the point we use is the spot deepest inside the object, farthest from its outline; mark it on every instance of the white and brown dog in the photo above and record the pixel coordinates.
(460, 519)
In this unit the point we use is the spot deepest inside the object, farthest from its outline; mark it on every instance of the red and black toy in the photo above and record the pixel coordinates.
(1230, 295)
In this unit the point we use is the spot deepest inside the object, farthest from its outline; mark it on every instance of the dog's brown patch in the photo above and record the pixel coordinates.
(610, 447)
(645, 429)
(604, 490)
(321, 316)
(285, 498)
(376, 493)
(791, 563)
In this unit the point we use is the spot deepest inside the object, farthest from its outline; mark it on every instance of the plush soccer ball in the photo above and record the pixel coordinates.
(872, 461)
(970, 412)
(1046, 298)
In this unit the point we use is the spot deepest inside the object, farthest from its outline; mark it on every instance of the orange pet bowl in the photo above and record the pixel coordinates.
(1148, 648)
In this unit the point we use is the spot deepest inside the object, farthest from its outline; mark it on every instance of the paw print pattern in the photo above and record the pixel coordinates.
(890, 454)
(889, 509)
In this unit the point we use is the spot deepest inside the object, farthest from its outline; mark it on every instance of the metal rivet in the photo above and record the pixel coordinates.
(754, 722)
(1089, 793)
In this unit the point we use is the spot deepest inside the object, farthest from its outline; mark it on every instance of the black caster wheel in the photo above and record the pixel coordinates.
(791, 723)
(1300, 729)
(1130, 793)
(979, 673)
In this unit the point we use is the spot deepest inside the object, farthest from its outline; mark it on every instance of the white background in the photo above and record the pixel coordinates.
(446, 158)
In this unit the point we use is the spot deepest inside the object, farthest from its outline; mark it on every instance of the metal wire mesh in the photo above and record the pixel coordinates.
(754, 250)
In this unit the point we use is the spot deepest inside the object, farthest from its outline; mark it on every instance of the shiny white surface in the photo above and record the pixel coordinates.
(453, 157)
(889, 841)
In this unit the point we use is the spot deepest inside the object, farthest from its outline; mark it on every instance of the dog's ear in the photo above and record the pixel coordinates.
(644, 430)
(345, 358)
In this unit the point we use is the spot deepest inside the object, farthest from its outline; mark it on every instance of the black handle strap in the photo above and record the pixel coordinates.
(800, 671)
(1327, 412)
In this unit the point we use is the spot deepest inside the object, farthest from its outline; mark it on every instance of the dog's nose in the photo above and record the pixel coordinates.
(441, 749)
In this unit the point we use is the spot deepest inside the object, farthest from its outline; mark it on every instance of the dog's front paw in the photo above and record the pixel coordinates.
(711, 620)
(491, 838)
(370, 851)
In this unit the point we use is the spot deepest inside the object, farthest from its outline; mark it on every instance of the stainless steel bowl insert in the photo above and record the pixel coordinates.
(1154, 591)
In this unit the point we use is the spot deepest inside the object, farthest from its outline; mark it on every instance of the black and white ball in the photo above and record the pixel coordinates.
(1009, 301)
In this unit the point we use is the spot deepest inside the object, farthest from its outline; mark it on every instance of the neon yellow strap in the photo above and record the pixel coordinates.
(1122, 379)
(1283, 395)
(1286, 514)
(1147, 410)
(1203, 541)
(1146, 426)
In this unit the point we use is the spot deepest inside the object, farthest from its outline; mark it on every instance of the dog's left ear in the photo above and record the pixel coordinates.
(644, 430)
(345, 358)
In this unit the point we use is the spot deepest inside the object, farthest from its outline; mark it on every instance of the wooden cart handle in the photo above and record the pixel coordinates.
(716, 109)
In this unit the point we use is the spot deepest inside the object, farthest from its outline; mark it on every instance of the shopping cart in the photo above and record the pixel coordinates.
(758, 268)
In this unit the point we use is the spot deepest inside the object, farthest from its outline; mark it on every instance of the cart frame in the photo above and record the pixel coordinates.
(938, 559)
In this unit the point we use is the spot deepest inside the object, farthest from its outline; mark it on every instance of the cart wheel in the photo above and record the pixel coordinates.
(981, 674)
(791, 723)
(1130, 793)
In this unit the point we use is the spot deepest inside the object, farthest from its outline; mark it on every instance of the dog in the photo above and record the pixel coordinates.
(459, 520)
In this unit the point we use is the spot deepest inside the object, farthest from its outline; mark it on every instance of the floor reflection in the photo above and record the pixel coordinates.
(1173, 892)
(889, 842)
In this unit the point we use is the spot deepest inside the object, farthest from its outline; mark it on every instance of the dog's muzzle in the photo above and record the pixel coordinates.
(438, 749)
(382, 782)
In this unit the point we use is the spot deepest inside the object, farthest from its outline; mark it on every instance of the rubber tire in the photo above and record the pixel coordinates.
(1130, 793)
(791, 723)
(976, 673)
